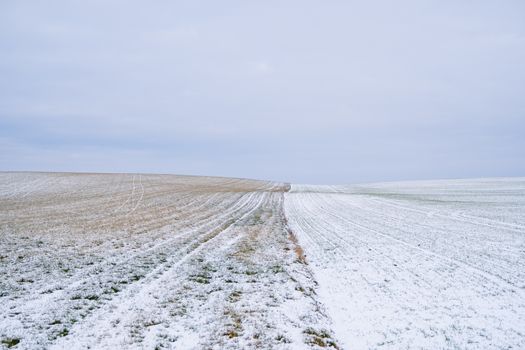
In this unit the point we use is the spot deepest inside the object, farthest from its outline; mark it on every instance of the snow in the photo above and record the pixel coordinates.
(150, 261)
(437, 264)
(138, 261)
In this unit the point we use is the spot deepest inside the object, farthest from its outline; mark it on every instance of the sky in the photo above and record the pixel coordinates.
(326, 92)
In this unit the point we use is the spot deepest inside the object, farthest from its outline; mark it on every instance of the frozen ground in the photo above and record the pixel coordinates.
(127, 261)
(429, 265)
(151, 261)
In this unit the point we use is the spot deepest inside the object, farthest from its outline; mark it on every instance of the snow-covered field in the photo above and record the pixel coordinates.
(162, 261)
(429, 265)
(151, 261)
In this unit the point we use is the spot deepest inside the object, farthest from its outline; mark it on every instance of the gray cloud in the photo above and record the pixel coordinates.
(332, 92)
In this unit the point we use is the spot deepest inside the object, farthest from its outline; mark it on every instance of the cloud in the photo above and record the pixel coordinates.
(337, 92)
(263, 67)
(171, 36)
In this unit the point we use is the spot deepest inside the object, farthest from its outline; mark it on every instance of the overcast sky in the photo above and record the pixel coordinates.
(298, 91)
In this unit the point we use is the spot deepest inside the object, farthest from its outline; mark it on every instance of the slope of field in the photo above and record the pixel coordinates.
(129, 261)
(151, 261)
(418, 265)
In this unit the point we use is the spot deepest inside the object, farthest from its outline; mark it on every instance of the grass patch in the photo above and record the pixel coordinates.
(136, 277)
(231, 334)
(299, 252)
(200, 278)
(209, 268)
(25, 280)
(277, 269)
(320, 338)
(151, 323)
(282, 339)
(10, 342)
(63, 332)
(235, 296)
(235, 327)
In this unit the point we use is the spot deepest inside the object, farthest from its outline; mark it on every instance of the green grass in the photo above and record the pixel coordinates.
(10, 342)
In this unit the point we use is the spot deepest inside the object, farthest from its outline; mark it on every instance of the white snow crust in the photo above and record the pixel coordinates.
(419, 265)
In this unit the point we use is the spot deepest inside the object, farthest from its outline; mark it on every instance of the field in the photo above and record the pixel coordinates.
(418, 265)
(163, 261)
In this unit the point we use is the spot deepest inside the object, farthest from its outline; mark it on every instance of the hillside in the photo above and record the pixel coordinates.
(165, 261)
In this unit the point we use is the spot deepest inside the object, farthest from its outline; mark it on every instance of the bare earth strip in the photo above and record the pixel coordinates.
(428, 265)
(152, 261)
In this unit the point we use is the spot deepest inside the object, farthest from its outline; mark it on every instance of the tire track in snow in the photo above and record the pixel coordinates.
(372, 281)
(92, 274)
(140, 297)
(140, 198)
(202, 211)
(462, 218)
(502, 282)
